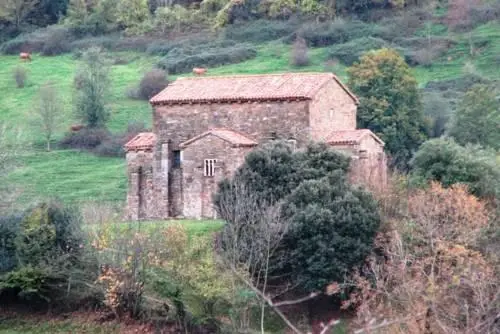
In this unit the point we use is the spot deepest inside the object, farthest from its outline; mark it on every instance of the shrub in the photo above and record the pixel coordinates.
(260, 30)
(477, 119)
(338, 31)
(9, 229)
(299, 56)
(86, 138)
(460, 84)
(180, 60)
(349, 52)
(49, 253)
(20, 76)
(427, 55)
(56, 43)
(444, 161)
(112, 145)
(41, 40)
(152, 83)
(322, 241)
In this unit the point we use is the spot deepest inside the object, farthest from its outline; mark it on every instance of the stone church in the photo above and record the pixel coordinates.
(204, 126)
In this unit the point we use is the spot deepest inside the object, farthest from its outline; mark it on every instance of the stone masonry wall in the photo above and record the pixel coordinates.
(331, 109)
(197, 188)
(257, 120)
(140, 197)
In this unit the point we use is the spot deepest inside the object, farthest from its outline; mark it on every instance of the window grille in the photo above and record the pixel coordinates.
(209, 167)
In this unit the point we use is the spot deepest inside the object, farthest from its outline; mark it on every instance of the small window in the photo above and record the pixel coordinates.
(293, 144)
(209, 167)
(177, 159)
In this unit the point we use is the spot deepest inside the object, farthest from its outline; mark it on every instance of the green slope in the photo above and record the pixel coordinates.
(75, 176)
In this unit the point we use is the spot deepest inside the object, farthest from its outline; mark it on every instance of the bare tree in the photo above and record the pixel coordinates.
(49, 112)
(15, 11)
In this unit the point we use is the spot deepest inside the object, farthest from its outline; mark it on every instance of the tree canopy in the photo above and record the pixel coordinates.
(445, 161)
(477, 119)
(390, 103)
(330, 223)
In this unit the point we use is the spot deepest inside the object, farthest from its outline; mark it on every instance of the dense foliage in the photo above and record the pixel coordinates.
(477, 119)
(444, 161)
(331, 224)
(390, 103)
(43, 254)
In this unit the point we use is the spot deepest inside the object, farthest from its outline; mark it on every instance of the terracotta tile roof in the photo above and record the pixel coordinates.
(351, 137)
(143, 141)
(236, 139)
(244, 88)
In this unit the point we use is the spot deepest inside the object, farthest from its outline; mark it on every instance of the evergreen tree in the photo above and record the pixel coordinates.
(330, 223)
(477, 119)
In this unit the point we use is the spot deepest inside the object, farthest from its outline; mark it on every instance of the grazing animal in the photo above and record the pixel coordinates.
(76, 127)
(199, 70)
(25, 56)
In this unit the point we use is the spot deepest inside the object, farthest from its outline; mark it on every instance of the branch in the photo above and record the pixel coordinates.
(268, 301)
(297, 301)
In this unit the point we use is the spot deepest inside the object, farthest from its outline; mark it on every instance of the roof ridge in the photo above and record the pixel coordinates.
(254, 75)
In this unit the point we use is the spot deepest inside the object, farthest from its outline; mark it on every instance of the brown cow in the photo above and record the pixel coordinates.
(199, 71)
(76, 127)
(25, 56)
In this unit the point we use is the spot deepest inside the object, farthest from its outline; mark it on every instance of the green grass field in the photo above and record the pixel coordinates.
(19, 325)
(75, 176)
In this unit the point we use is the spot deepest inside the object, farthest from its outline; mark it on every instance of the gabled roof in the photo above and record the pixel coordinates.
(246, 88)
(144, 141)
(351, 137)
(236, 139)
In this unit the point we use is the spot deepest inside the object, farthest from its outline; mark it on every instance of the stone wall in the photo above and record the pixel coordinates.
(331, 109)
(257, 120)
(197, 188)
(141, 200)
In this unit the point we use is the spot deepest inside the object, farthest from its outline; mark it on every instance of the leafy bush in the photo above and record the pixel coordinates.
(152, 83)
(184, 60)
(460, 84)
(349, 52)
(49, 252)
(40, 40)
(84, 139)
(112, 146)
(330, 225)
(9, 229)
(299, 56)
(56, 43)
(260, 30)
(477, 118)
(113, 43)
(20, 75)
(445, 161)
(338, 31)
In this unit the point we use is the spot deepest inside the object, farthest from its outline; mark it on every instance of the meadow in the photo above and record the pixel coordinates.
(79, 176)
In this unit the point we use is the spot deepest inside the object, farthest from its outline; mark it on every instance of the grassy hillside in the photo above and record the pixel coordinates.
(75, 176)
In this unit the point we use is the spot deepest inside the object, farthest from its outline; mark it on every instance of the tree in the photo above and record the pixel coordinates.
(477, 119)
(390, 103)
(77, 12)
(444, 161)
(92, 85)
(15, 11)
(431, 278)
(132, 13)
(331, 223)
(49, 111)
